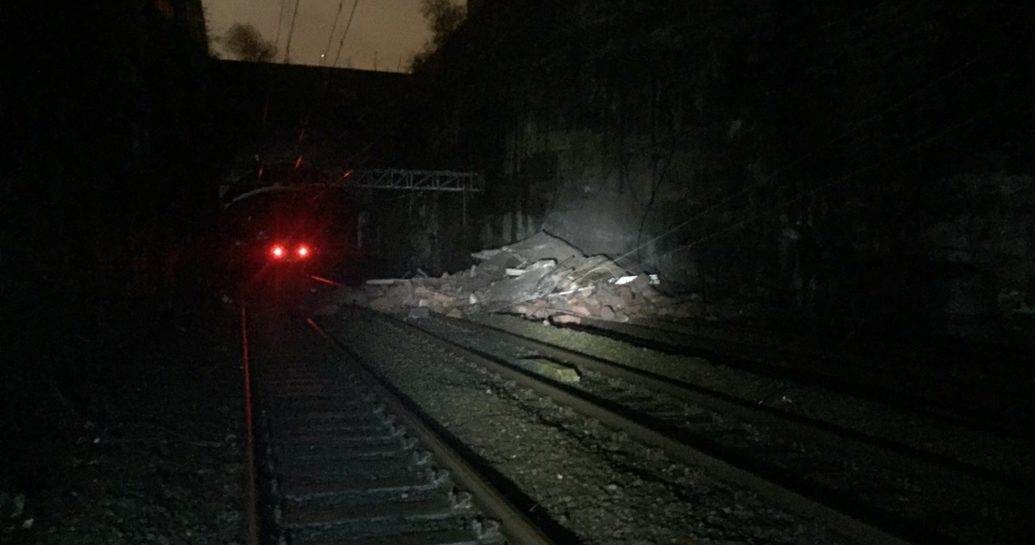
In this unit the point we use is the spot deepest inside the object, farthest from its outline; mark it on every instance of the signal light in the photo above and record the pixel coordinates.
(282, 252)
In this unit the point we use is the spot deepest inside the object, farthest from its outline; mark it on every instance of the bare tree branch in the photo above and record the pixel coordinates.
(244, 42)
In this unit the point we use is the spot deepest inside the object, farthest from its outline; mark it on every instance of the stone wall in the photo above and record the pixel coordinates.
(841, 162)
(102, 168)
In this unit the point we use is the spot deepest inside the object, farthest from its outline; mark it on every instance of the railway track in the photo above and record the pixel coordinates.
(340, 458)
(867, 489)
(1003, 408)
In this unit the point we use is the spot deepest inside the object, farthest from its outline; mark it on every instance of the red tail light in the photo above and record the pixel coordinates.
(290, 252)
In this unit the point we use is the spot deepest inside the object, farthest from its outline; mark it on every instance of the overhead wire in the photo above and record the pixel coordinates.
(856, 127)
(356, 159)
(280, 23)
(794, 198)
(840, 180)
(291, 33)
(348, 25)
(322, 93)
(330, 35)
(832, 183)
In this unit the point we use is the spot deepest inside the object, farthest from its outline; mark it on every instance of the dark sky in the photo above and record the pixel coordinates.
(390, 29)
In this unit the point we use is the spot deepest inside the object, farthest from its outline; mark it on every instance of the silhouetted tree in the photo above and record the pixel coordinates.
(443, 17)
(244, 42)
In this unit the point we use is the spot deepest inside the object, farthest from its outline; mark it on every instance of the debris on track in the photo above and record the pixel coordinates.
(540, 278)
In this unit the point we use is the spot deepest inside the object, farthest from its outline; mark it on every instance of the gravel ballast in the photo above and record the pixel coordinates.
(604, 486)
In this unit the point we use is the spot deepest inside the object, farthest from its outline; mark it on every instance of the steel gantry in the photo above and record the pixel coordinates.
(378, 178)
(414, 180)
(417, 180)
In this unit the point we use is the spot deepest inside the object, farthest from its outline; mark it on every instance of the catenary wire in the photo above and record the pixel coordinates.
(291, 33)
(811, 191)
(856, 127)
(280, 22)
(330, 36)
(348, 25)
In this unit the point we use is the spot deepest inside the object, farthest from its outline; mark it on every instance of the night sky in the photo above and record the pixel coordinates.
(391, 30)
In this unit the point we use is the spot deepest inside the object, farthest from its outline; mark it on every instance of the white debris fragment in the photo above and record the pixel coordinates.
(652, 279)
(542, 278)
(486, 255)
(571, 291)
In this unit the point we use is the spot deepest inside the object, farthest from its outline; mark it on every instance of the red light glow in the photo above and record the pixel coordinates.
(277, 251)
(303, 251)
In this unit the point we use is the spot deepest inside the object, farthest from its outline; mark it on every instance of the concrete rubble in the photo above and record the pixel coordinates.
(540, 278)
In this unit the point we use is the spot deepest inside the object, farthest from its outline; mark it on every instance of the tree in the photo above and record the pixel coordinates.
(244, 42)
(443, 17)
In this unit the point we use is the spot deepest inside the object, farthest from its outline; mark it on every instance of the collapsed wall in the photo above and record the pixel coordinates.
(541, 277)
(875, 183)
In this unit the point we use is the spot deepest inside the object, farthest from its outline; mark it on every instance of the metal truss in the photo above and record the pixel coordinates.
(414, 180)
(389, 178)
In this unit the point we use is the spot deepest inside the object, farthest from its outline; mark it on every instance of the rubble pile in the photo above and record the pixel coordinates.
(541, 278)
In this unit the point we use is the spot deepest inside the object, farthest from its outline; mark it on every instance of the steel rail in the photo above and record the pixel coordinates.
(837, 521)
(749, 357)
(990, 483)
(251, 494)
(516, 526)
